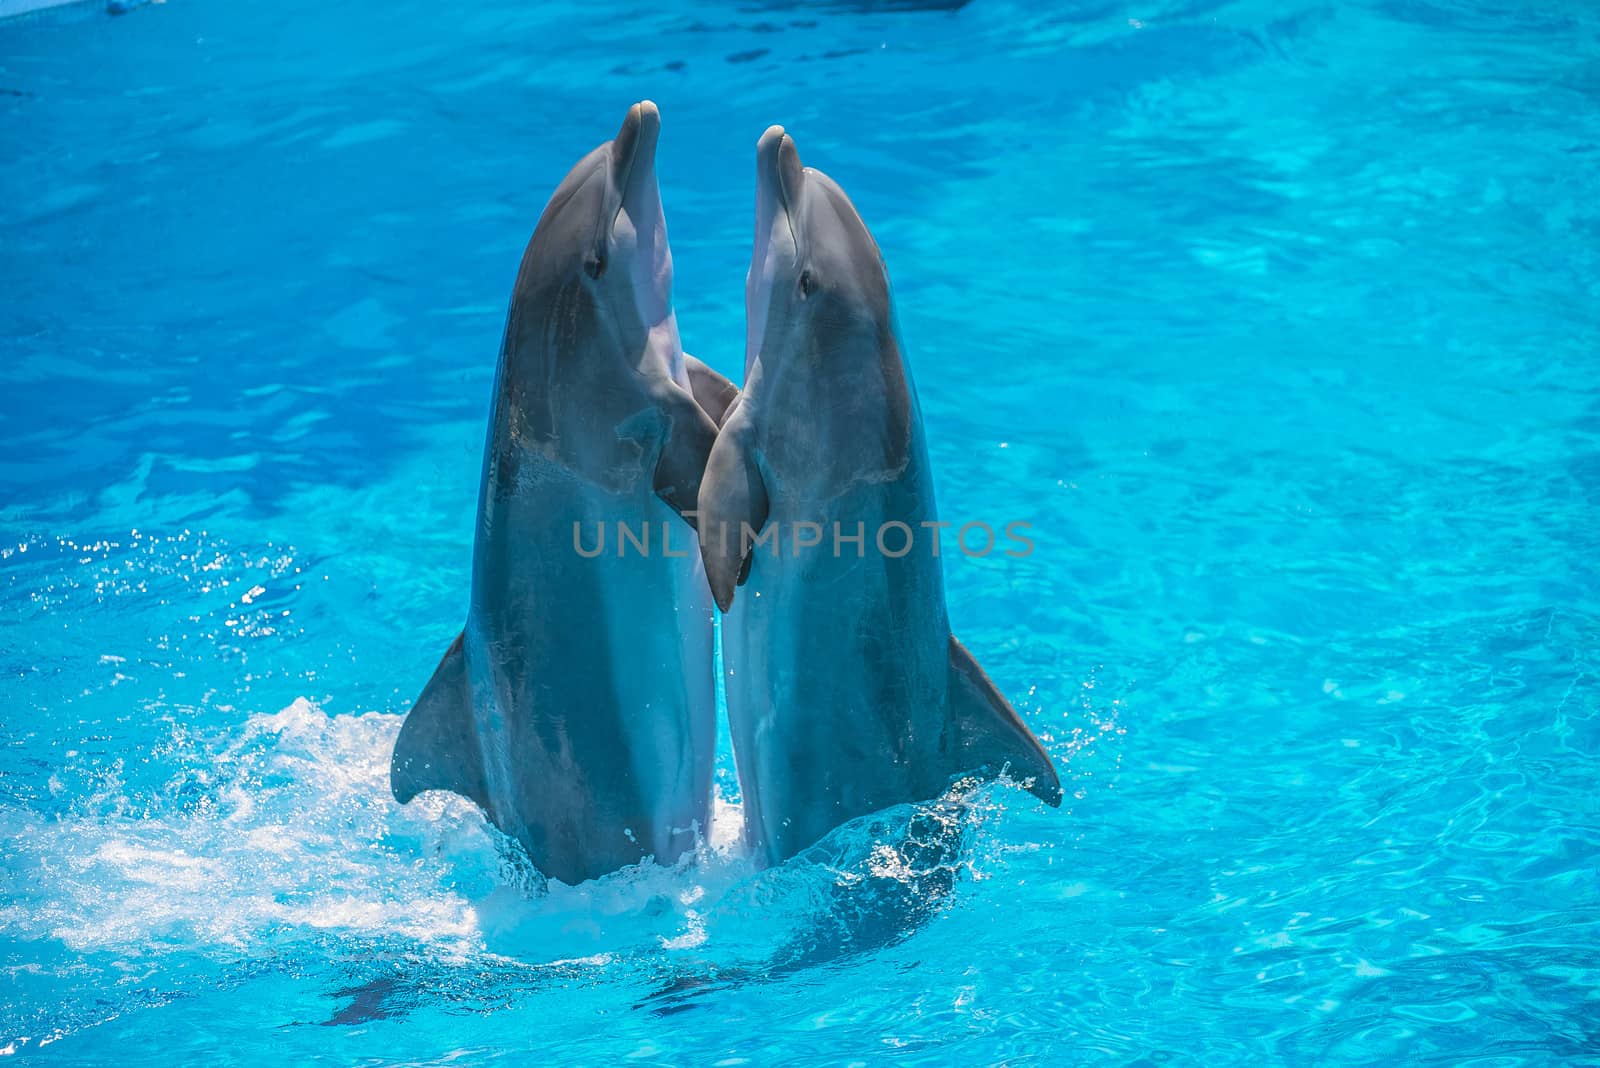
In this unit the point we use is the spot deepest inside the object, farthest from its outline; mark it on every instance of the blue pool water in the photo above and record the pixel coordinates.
(1280, 322)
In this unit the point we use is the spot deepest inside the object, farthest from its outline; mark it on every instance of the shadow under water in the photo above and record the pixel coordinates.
(876, 881)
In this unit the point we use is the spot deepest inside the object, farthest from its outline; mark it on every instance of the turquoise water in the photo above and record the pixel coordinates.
(1277, 320)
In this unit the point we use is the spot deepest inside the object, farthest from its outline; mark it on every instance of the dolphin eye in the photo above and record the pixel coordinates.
(595, 265)
(808, 285)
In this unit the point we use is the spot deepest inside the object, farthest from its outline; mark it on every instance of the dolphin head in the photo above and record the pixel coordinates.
(816, 273)
(599, 257)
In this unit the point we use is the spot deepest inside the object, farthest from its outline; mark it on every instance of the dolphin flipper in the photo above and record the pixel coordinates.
(682, 461)
(438, 744)
(988, 734)
(733, 499)
(712, 392)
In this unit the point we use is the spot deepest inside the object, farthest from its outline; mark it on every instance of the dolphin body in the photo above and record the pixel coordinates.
(846, 692)
(577, 708)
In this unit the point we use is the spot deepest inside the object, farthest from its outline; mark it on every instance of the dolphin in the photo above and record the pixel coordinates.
(577, 707)
(846, 692)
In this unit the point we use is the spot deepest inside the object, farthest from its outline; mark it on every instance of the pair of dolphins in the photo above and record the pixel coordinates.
(577, 708)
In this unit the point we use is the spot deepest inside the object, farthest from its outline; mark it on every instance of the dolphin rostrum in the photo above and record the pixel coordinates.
(577, 707)
(846, 692)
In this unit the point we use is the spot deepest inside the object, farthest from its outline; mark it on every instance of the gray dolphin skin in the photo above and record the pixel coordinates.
(846, 692)
(577, 707)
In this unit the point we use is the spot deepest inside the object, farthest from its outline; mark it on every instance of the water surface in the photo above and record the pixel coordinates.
(1278, 321)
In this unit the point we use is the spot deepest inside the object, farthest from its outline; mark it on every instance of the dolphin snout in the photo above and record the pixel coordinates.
(633, 151)
(778, 169)
(777, 251)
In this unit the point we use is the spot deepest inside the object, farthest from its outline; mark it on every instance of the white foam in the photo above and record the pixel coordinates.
(293, 837)
(298, 835)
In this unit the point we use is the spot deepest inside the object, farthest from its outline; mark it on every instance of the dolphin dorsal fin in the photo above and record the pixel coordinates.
(438, 744)
(984, 733)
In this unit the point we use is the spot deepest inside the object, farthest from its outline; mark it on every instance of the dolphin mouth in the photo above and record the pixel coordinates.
(633, 154)
(633, 228)
(779, 176)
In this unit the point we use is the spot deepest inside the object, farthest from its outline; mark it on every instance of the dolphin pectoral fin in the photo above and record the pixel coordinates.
(733, 502)
(682, 462)
(438, 745)
(984, 732)
(712, 392)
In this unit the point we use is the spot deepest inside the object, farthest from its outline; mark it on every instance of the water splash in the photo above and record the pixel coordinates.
(281, 841)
